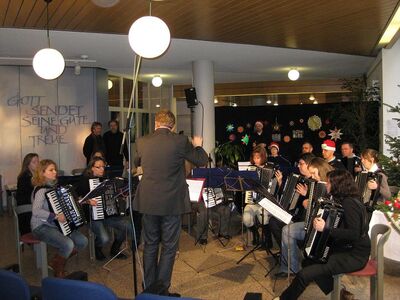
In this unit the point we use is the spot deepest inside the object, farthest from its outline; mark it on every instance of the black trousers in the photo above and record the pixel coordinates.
(276, 226)
(156, 230)
(338, 263)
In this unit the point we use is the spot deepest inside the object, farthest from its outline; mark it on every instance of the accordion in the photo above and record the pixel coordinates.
(317, 244)
(316, 190)
(368, 197)
(108, 204)
(62, 200)
(266, 176)
(290, 196)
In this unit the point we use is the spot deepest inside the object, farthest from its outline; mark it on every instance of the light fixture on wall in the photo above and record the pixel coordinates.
(269, 101)
(215, 100)
(276, 103)
(158, 105)
(156, 81)
(149, 36)
(234, 104)
(110, 84)
(48, 63)
(315, 101)
(293, 74)
(312, 97)
(391, 29)
(77, 69)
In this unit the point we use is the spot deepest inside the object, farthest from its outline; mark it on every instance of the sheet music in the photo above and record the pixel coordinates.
(243, 165)
(275, 210)
(195, 188)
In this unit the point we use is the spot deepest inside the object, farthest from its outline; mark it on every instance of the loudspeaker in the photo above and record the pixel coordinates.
(191, 97)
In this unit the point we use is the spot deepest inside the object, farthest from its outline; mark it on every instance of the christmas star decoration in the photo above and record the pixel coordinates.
(245, 139)
(335, 134)
(229, 127)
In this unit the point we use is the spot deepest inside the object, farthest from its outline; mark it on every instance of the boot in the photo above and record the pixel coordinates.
(256, 235)
(267, 236)
(58, 265)
(99, 254)
(115, 249)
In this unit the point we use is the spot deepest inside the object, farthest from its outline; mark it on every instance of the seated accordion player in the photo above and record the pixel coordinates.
(368, 197)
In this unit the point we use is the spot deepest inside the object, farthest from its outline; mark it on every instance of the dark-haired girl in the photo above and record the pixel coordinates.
(351, 245)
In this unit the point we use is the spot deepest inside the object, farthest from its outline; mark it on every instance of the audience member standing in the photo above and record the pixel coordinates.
(112, 141)
(93, 142)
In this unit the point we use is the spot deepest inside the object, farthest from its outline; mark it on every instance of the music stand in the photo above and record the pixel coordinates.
(214, 179)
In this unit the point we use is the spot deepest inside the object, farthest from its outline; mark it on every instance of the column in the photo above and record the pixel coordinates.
(204, 124)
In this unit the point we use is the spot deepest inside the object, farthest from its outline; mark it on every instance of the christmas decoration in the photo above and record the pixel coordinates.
(314, 123)
(286, 139)
(276, 125)
(335, 134)
(245, 139)
(291, 123)
(276, 137)
(232, 137)
(322, 134)
(230, 127)
(248, 125)
(301, 121)
(240, 129)
(298, 134)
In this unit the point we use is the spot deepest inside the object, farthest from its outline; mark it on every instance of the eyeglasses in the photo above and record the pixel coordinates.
(99, 167)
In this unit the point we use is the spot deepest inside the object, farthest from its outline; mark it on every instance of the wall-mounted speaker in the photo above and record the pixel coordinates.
(191, 97)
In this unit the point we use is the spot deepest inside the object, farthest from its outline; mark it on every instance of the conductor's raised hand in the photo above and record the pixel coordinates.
(197, 141)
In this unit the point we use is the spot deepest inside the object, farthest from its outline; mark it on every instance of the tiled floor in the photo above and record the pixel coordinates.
(209, 272)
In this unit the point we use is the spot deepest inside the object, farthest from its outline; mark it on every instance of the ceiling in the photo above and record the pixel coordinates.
(254, 40)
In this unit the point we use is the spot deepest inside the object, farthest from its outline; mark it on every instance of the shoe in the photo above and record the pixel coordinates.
(203, 241)
(58, 265)
(282, 275)
(99, 254)
(174, 295)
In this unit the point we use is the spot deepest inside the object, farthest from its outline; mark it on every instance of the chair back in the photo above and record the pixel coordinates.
(17, 210)
(377, 245)
(66, 289)
(13, 286)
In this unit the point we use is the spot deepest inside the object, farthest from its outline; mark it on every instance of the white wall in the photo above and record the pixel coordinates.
(51, 118)
(390, 90)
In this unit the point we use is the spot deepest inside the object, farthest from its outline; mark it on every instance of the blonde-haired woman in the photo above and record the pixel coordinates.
(42, 222)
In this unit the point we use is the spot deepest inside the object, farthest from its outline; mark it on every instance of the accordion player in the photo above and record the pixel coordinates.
(368, 197)
(62, 200)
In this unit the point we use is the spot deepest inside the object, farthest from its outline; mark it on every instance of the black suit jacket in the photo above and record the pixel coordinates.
(163, 189)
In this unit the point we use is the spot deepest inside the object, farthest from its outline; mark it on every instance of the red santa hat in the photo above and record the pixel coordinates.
(329, 145)
(273, 144)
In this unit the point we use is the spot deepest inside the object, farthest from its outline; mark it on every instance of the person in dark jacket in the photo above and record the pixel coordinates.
(328, 153)
(162, 194)
(351, 245)
(93, 142)
(25, 188)
(112, 141)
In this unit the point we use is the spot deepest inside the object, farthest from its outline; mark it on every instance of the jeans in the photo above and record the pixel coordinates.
(65, 244)
(297, 233)
(121, 226)
(156, 230)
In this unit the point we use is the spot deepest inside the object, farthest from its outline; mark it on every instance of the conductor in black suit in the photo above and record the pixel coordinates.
(162, 195)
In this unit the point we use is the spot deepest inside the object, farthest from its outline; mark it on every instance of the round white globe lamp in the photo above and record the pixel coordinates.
(110, 84)
(149, 36)
(156, 81)
(48, 63)
(293, 74)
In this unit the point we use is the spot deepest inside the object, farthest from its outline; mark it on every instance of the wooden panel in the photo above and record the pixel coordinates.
(341, 26)
(269, 87)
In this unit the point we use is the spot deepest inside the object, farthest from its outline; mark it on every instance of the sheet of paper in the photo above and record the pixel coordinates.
(195, 188)
(275, 210)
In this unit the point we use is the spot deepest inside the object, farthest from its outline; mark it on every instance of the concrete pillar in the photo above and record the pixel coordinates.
(204, 124)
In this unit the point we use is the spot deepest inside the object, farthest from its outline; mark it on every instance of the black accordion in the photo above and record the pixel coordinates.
(266, 176)
(109, 203)
(290, 197)
(316, 190)
(62, 200)
(368, 197)
(318, 244)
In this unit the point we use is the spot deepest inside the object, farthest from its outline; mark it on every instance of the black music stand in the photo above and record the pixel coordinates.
(214, 179)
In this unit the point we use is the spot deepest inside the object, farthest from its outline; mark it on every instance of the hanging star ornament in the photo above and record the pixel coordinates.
(245, 139)
(335, 134)
(229, 127)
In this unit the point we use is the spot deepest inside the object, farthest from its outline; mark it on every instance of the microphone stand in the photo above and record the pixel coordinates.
(127, 131)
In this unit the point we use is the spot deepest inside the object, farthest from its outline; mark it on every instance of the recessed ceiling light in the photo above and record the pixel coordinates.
(234, 104)
(269, 101)
(215, 100)
(315, 102)
(158, 105)
(293, 74)
(311, 98)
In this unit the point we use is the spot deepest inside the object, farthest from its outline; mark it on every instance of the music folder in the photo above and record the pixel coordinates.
(99, 190)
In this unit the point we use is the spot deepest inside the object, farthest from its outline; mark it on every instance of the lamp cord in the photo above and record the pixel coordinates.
(47, 21)
(149, 7)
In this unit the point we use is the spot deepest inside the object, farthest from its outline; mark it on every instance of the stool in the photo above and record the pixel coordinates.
(373, 268)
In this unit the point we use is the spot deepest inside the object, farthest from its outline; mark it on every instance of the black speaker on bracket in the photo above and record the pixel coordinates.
(191, 97)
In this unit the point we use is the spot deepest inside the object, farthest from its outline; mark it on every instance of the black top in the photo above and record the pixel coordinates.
(24, 188)
(112, 142)
(256, 138)
(337, 164)
(353, 230)
(93, 143)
